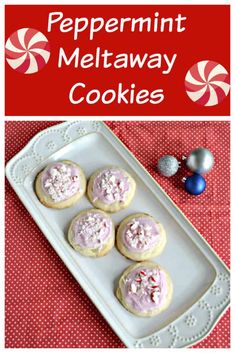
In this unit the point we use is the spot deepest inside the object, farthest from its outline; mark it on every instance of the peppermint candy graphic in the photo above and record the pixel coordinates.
(207, 83)
(27, 50)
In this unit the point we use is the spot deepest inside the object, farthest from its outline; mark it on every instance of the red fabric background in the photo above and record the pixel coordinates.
(45, 306)
(207, 37)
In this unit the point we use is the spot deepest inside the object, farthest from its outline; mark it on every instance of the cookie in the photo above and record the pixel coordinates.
(111, 189)
(60, 184)
(140, 237)
(92, 233)
(145, 289)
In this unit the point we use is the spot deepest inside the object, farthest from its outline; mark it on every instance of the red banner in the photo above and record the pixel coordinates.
(117, 60)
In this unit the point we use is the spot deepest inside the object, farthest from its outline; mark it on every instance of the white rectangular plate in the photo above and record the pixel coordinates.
(201, 280)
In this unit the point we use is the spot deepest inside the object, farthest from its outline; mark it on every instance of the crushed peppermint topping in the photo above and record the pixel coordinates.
(138, 235)
(61, 181)
(112, 185)
(92, 230)
(148, 283)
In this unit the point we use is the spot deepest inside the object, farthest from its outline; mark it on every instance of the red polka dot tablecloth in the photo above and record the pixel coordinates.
(45, 306)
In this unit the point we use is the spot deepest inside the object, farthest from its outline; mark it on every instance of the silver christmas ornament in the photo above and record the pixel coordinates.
(200, 160)
(168, 165)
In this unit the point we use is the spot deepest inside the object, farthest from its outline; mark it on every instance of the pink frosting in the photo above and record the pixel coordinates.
(61, 181)
(145, 289)
(140, 234)
(92, 230)
(110, 186)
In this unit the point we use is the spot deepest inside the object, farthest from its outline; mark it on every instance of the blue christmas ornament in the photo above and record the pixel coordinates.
(194, 184)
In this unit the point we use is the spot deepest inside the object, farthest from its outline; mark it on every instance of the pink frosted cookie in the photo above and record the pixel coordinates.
(60, 184)
(145, 289)
(140, 237)
(111, 189)
(92, 233)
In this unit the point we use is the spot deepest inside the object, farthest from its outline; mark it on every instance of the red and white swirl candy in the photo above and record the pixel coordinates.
(27, 50)
(207, 83)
